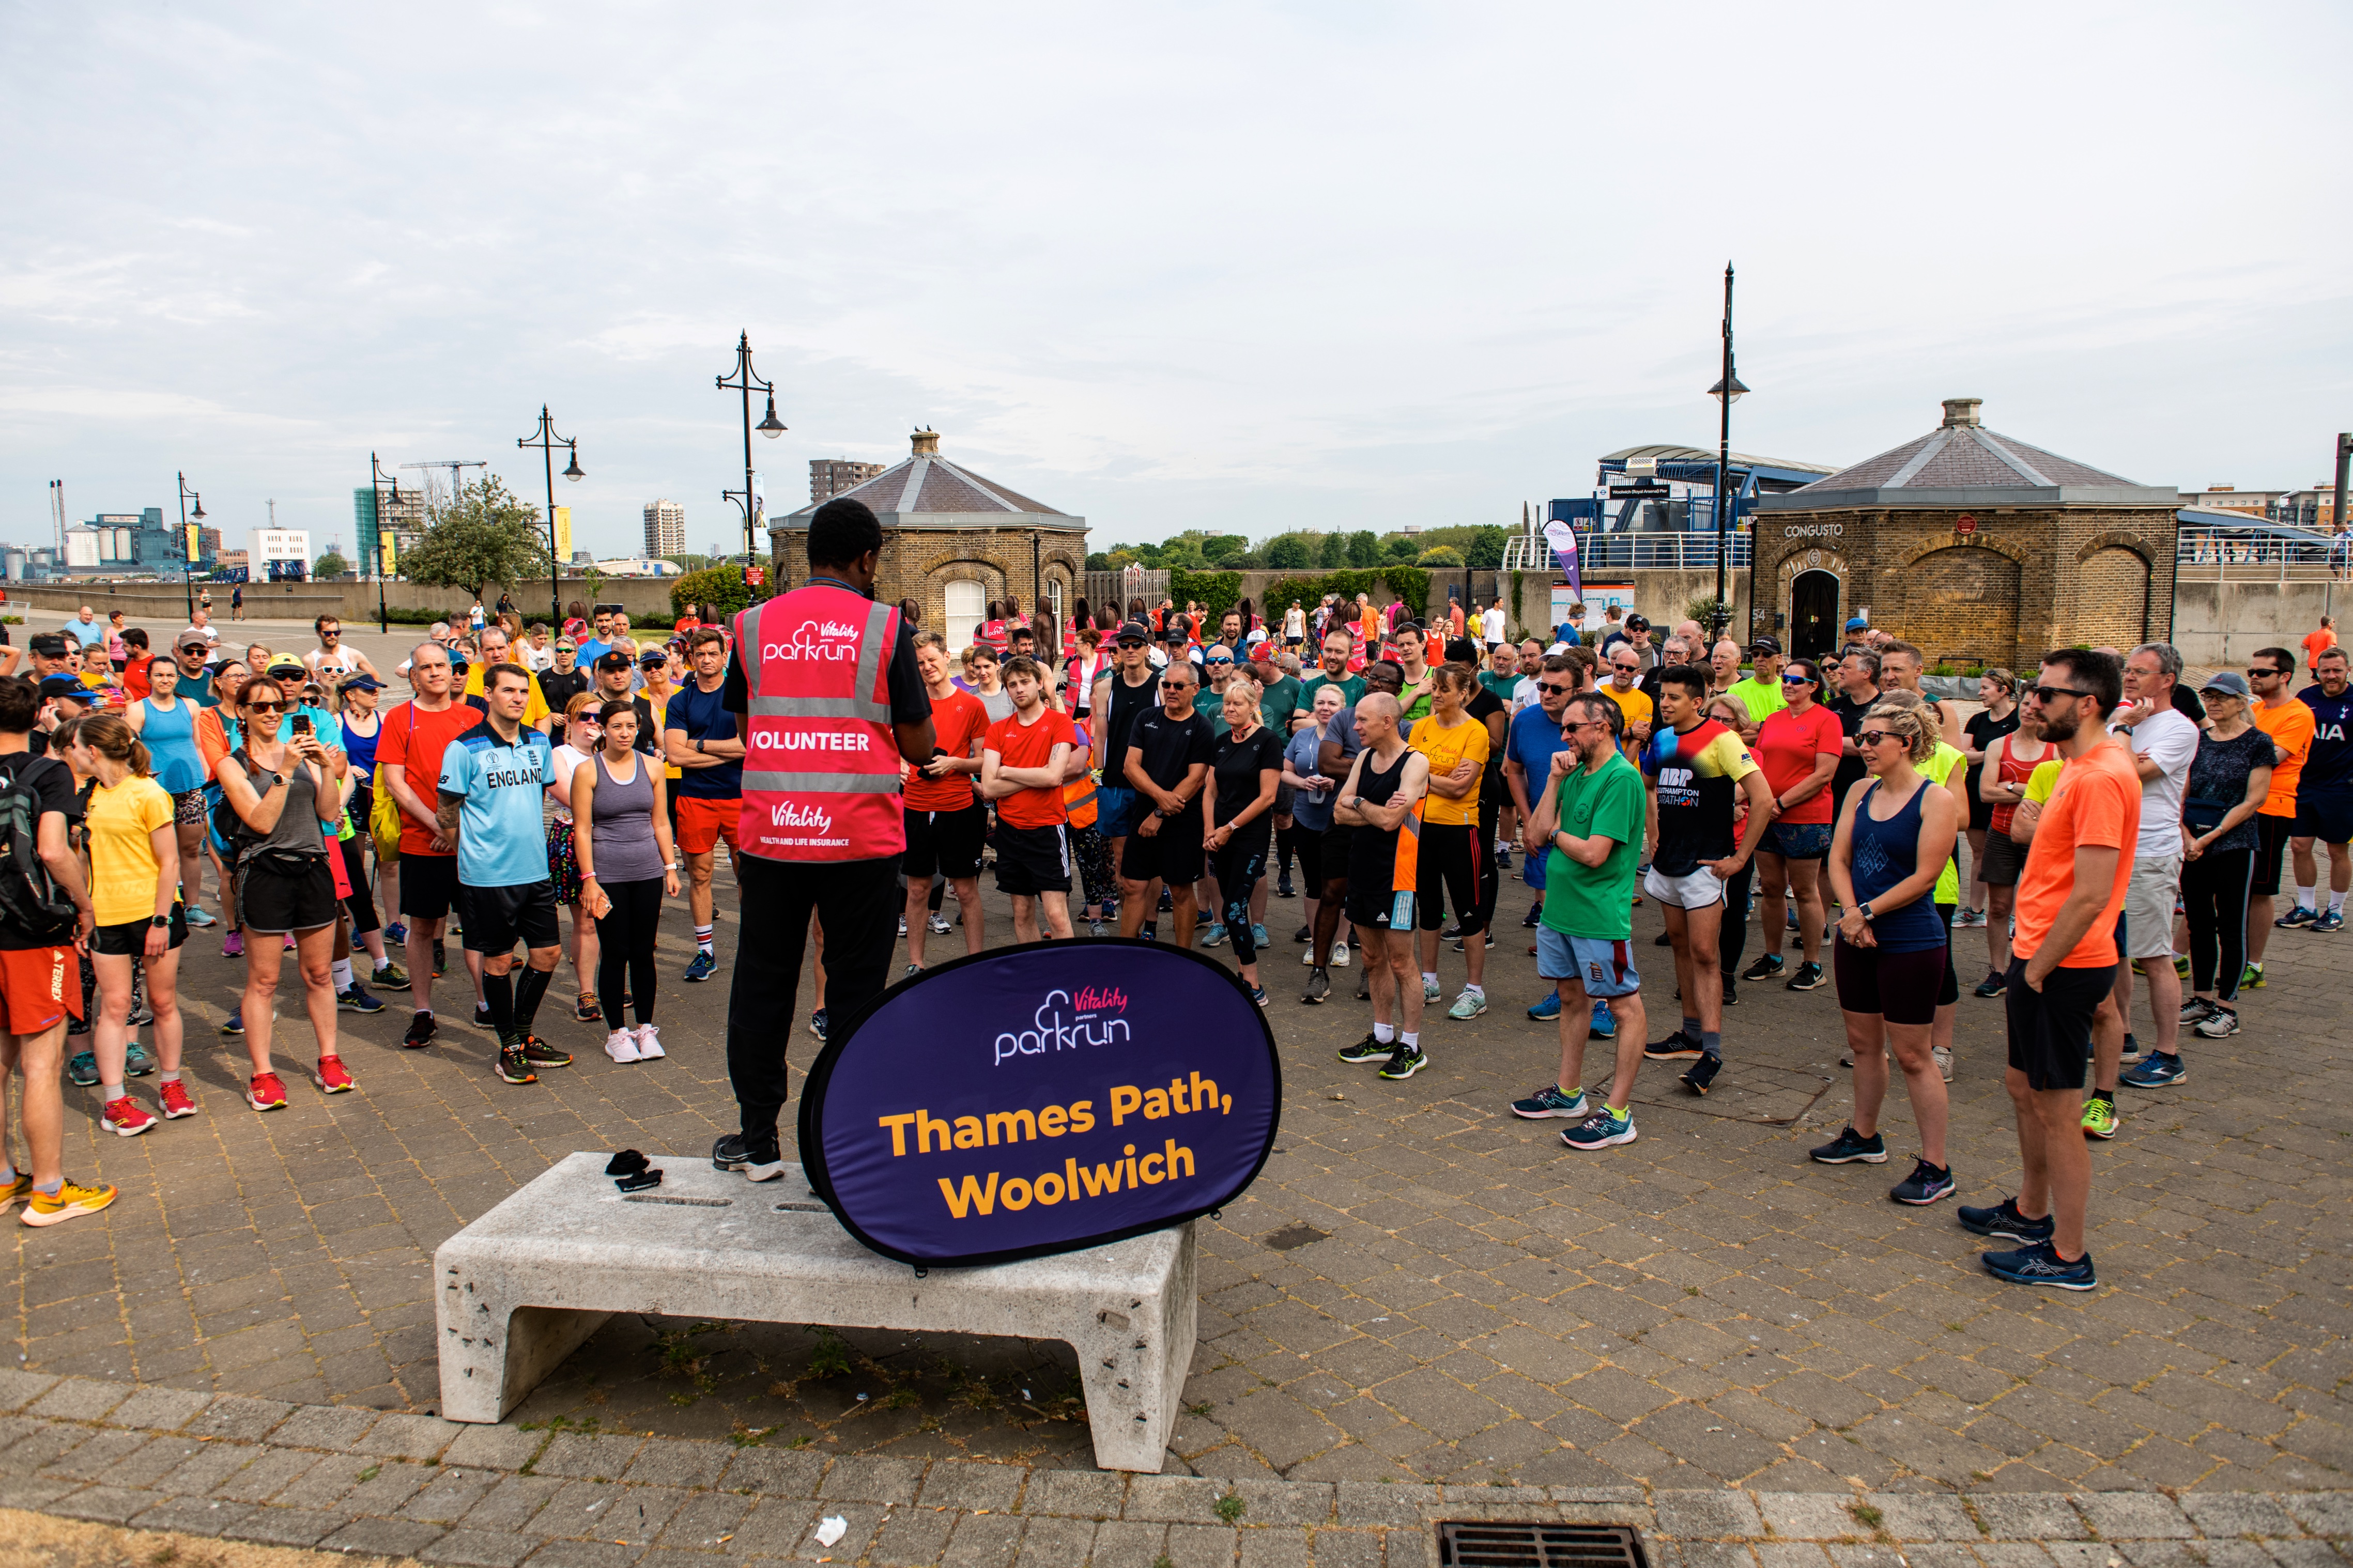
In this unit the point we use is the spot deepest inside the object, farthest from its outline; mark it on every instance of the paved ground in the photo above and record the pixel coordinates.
(1700, 1307)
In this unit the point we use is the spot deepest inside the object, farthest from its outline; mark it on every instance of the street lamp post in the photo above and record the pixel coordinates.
(378, 479)
(1726, 392)
(745, 382)
(547, 441)
(187, 556)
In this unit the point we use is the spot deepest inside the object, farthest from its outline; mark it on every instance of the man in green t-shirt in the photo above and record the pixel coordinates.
(1334, 670)
(1591, 815)
(1761, 692)
(1503, 671)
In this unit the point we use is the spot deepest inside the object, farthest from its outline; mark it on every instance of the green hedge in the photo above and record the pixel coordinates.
(722, 585)
(1409, 584)
(1214, 592)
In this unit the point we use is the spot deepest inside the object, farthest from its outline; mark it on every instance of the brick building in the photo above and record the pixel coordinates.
(1972, 545)
(952, 541)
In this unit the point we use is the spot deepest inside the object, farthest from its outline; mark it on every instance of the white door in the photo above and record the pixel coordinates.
(966, 605)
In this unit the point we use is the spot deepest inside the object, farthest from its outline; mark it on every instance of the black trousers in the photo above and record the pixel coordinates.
(1732, 936)
(856, 904)
(625, 948)
(2214, 890)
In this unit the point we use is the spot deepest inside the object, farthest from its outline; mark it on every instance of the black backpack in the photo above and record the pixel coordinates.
(32, 906)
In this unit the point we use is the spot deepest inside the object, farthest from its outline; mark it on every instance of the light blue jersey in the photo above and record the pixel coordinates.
(501, 843)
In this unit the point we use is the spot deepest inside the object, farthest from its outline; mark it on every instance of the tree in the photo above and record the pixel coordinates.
(1289, 554)
(1099, 561)
(1486, 550)
(1439, 555)
(1401, 551)
(1334, 551)
(1222, 547)
(331, 564)
(484, 535)
(1364, 550)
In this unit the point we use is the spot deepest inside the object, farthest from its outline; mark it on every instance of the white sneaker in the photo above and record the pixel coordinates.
(1339, 955)
(649, 1042)
(622, 1046)
(1943, 1058)
(1308, 958)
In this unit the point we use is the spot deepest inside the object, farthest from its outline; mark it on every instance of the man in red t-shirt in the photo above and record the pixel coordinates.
(2063, 963)
(947, 824)
(409, 749)
(1025, 760)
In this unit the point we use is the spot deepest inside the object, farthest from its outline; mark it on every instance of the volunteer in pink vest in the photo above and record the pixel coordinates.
(829, 698)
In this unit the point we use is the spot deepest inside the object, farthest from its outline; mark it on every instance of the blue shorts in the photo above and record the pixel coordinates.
(1114, 812)
(1603, 966)
(2329, 819)
(1797, 840)
(1532, 867)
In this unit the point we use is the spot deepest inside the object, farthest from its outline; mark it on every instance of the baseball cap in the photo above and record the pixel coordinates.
(1857, 624)
(615, 659)
(287, 663)
(362, 683)
(1764, 645)
(2229, 680)
(1134, 632)
(653, 659)
(200, 644)
(62, 686)
(48, 645)
(1636, 623)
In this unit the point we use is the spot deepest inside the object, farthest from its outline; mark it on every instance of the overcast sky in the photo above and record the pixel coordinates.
(1244, 268)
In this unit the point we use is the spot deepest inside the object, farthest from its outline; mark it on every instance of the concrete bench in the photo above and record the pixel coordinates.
(524, 1286)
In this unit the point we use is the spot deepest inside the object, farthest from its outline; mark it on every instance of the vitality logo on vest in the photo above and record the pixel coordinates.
(816, 819)
(830, 640)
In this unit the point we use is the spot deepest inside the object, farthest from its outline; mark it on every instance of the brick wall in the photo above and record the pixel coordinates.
(919, 563)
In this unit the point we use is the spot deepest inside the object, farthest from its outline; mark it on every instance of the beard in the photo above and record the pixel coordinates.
(2058, 730)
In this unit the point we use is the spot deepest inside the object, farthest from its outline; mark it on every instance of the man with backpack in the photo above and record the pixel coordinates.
(44, 908)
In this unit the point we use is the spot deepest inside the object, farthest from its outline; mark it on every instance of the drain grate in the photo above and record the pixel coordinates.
(1539, 1546)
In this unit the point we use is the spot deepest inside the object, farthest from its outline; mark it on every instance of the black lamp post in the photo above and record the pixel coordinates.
(378, 479)
(1726, 392)
(747, 383)
(547, 441)
(188, 556)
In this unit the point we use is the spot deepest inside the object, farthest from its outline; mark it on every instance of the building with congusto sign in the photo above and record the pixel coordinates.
(1976, 547)
(952, 541)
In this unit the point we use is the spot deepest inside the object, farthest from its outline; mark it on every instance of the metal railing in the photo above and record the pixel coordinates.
(1601, 552)
(2213, 555)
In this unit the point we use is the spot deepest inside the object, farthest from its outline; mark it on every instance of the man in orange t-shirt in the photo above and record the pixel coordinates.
(2289, 722)
(2316, 643)
(2070, 899)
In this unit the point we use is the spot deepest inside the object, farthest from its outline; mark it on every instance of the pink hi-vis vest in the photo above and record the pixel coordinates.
(822, 761)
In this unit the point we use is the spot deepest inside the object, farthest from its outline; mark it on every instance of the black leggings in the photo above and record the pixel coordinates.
(362, 902)
(1238, 868)
(1732, 936)
(625, 938)
(2214, 887)
(1307, 843)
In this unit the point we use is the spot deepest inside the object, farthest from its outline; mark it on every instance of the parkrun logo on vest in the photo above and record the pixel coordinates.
(1063, 1024)
(831, 642)
(785, 813)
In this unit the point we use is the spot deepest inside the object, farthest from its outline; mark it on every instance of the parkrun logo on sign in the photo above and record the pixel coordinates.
(1061, 1024)
(830, 641)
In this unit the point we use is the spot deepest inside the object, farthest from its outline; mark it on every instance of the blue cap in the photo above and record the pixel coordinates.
(1857, 624)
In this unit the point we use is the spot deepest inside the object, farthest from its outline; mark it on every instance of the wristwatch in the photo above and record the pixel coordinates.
(161, 922)
(1863, 909)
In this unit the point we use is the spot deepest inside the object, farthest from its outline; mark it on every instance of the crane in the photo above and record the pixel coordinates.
(433, 494)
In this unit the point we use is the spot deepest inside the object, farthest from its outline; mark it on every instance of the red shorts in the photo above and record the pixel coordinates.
(702, 824)
(38, 986)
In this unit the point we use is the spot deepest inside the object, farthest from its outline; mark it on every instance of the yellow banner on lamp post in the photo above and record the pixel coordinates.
(563, 537)
(195, 543)
(389, 548)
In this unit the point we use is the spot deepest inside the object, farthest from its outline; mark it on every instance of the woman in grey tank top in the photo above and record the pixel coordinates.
(621, 834)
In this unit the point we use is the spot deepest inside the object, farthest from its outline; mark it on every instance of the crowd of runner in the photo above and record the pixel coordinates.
(538, 793)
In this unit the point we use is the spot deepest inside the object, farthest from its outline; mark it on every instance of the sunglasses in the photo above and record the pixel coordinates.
(1791, 679)
(1221, 662)
(269, 707)
(1175, 685)
(2258, 674)
(2051, 693)
(1873, 737)
(1555, 690)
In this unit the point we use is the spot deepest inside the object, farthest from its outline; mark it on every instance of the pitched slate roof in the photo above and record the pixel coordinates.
(1961, 463)
(928, 483)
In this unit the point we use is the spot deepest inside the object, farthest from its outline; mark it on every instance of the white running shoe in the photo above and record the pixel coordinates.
(621, 1045)
(1339, 955)
(649, 1042)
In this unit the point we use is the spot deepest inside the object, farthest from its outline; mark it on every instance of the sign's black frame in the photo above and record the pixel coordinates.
(840, 1034)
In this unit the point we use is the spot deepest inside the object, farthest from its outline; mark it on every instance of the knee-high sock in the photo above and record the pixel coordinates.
(498, 993)
(527, 996)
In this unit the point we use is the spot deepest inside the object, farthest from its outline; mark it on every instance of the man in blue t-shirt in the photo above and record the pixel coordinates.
(707, 798)
(2324, 797)
(492, 778)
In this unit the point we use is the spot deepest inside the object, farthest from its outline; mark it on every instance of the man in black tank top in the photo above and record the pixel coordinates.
(1127, 687)
(1384, 788)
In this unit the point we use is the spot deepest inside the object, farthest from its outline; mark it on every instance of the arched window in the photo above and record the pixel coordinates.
(967, 602)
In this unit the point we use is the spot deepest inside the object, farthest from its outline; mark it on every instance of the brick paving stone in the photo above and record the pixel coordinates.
(383, 1537)
(968, 1486)
(585, 1554)
(870, 1480)
(1083, 1494)
(290, 1526)
(493, 1447)
(1806, 1516)
(196, 1516)
(78, 1399)
(403, 1437)
(1914, 1516)
(1707, 1515)
(2144, 1516)
(480, 1549)
(158, 1409)
(108, 1505)
(984, 1541)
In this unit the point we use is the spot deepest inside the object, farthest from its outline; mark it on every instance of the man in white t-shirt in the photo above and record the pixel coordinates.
(1492, 624)
(2163, 742)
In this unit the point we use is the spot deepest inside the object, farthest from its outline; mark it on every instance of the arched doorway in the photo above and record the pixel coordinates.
(1813, 614)
(967, 607)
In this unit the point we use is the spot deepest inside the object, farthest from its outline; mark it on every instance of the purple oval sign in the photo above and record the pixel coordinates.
(1041, 1099)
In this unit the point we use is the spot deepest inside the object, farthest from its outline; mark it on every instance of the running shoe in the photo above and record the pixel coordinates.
(176, 1103)
(1790, 919)
(141, 1016)
(913, 969)
(1810, 977)
(289, 942)
(587, 1010)
(357, 1000)
(1731, 993)
(1282, 888)
(1216, 935)
(1502, 857)
(420, 1032)
(1551, 1101)
(1168, 902)
(2298, 916)
(2195, 1009)
(123, 1118)
(266, 1092)
(2328, 924)
(16, 1190)
(2253, 979)
(621, 1045)
(1470, 1004)
(817, 1025)
(939, 925)
(1319, 988)
(1676, 1048)
(702, 966)
(440, 958)
(1605, 1129)
(199, 916)
(396, 934)
(1258, 936)
(1429, 988)
(1149, 931)
(1546, 1010)
(1925, 1185)
(2004, 1220)
(2160, 1071)
(1969, 919)
(333, 1076)
(2131, 1051)
(1994, 984)
(234, 1024)
(1367, 1049)
(81, 1070)
(69, 1201)
(2218, 1024)
(1701, 1074)
(1851, 1146)
(2041, 1264)
(512, 1067)
(481, 1015)
(1767, 967)
(233, 945)
(2100, 1117)
(1943, 1057)
(389, 974)
(1404, 1062)
(903, 925)
(1451, 933)
(1339, 955)
(2180, 967)
(1095, 929)
(1258, 995)
(1604, 1024)
(1304, 934)
(540, 1054)
(1534, 917)
(79, 1027)
(649, 1047)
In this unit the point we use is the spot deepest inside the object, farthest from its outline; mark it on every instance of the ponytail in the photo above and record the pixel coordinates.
(110, 736)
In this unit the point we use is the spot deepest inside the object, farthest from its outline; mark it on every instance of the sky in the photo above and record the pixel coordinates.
(1238, 268)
